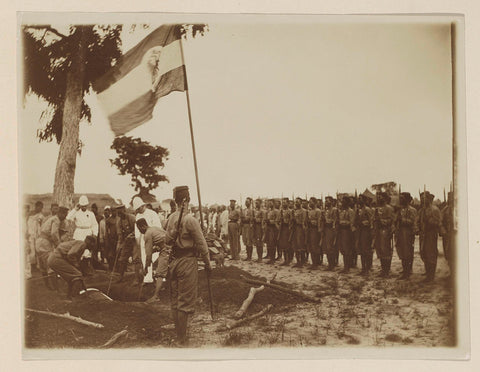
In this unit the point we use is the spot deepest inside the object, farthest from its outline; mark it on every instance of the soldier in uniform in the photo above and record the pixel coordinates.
(65, 261)
(314, 216)
(337, 204)
(346, 227)
(277, 204)
(328, 231)
(246, 218)
(155, 242)
(430, 221)
(384, 219)
(34, 224)
(364, 224)
(406, 228)
(126, 243)
(187, 242)
(285, 220)
(50, 237)
(320, 229)
(234, 230)
(299, 221)
(258, 228)
(271, 231)
(447, 230)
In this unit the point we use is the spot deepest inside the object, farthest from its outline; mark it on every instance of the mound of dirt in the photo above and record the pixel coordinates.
(144, 322)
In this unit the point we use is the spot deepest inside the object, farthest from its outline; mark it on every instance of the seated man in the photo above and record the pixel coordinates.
(65, 261)
(155, 242)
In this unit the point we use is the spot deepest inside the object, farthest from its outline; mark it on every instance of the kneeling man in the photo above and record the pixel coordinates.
(65, 261)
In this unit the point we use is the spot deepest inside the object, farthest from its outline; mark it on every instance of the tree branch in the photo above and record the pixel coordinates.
(48, 28)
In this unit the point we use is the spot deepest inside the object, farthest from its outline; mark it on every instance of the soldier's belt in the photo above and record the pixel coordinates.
(183, 252)
(329, 224)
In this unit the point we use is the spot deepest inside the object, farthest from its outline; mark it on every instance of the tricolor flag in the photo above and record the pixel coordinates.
(152, 69)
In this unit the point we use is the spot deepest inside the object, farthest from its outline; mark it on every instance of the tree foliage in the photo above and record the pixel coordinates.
(47, 55)
(141, 161)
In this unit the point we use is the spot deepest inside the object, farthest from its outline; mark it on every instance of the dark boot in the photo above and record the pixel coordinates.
(304, 257)
(279, 254)
(181, 328)
(331, 262)
(353, 260)
(314, 265)
(408, 269)
(75, 287)
(363, 261)
(46, 281)
(320, 259)
(138, 279)
(249, 253)
(271, 255)
(382, 272)
(298, 257)
(52, 278)
(121, 268)
(347, 260)
(174, 314)
(259, 253)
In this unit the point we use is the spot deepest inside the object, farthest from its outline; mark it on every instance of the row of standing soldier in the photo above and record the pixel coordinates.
(350, 227)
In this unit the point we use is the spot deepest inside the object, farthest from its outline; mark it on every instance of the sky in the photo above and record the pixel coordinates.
(283, 108)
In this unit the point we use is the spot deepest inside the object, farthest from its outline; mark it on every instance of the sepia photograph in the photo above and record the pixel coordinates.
(242, 186)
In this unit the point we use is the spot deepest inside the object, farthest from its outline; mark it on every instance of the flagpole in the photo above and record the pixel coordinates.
(192, 137)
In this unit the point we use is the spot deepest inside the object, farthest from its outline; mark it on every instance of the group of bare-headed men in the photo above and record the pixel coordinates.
(294, 231)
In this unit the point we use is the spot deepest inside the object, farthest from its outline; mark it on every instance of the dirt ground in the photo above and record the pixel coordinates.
(351, 310)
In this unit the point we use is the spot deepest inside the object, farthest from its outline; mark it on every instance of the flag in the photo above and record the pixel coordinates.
(152, 69)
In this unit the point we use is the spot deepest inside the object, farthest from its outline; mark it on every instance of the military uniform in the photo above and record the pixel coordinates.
(47, 240)
(345, 243)
(126, 244)
(246, 218)
(328, 230)
(271, 233)
(187, 242)
(155, 242)
(383, 229)
(284, 222)
(258, 226)
(448, 232)
(299, 222)
(65, 260)
(429, 224)
(314, 216)
(364, 233)
(34, 225)
(234, 232)
(405, 237)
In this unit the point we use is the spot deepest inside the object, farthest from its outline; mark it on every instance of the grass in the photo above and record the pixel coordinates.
(236, 338)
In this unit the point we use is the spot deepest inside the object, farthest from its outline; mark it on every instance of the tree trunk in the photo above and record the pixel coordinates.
(64, 185)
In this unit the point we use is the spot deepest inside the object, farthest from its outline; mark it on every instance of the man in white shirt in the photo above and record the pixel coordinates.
(224, 225)
(152, 219)
(85, 223)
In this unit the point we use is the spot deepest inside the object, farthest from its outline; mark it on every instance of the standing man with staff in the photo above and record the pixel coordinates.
(185, 236)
